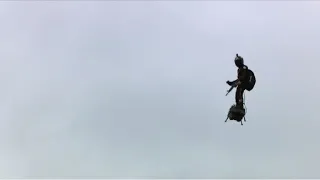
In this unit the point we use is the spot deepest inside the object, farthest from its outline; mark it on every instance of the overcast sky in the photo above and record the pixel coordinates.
(137, 89)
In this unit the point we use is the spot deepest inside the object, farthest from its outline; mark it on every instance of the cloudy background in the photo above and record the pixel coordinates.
(136, 89)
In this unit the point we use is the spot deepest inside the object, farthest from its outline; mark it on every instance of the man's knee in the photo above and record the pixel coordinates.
(239, 92)
(239, 95)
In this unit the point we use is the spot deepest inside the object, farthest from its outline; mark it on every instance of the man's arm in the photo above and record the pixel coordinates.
(242, 73)
(233, 83)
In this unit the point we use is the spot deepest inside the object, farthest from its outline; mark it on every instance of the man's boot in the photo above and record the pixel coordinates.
(240, 111)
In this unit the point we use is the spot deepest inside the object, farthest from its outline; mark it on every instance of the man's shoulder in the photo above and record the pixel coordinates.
(244, 67)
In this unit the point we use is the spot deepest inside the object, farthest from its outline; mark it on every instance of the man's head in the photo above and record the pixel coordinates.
(238, 61)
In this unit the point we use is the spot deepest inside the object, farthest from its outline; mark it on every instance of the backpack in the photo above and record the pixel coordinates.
(252, 80)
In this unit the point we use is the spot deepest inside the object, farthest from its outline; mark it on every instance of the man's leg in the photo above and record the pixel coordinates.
(239, 96)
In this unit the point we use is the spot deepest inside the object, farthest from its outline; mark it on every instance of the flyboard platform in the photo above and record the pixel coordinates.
(235, 113)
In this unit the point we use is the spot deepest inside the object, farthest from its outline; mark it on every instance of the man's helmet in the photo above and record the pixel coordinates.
(238, 61)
